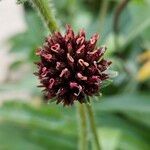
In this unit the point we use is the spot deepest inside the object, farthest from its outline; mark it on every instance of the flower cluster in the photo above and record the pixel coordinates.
(71, 67)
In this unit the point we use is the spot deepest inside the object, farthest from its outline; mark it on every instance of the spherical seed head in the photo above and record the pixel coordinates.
(71, 67)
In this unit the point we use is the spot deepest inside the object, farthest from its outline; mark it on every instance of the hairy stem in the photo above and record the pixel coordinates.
(83, 142)
(93, 125)
(46, 12)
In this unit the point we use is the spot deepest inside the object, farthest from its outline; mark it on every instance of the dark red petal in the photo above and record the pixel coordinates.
(80, 40)
(81, 77)
(74, 85)
(55, 48)
(51, 83)
(94, 39)
(60, 65)
(83, 64)
(65, 73)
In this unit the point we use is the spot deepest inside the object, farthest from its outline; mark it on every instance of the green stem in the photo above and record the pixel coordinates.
(45, 10)
(102, 13)
(83, 142)
(93, 126)
(43, 7)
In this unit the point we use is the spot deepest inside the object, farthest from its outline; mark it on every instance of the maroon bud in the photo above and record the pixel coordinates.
(71, 67)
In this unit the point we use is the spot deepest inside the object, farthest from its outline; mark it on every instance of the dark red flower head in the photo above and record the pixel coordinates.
(71, 67)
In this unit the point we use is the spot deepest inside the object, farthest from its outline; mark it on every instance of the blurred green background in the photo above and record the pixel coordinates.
(122, 113)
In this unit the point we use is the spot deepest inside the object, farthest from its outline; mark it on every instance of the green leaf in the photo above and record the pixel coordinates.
(44, 127)
(21, 1)
(125, 103)
(109, 138)
(137, 23)
(127, 134)
(26, 43)
(141, 118)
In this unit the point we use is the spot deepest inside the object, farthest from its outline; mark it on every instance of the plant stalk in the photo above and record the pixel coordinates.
(103, 13)
(93, 126)
(83, 141)
(44, 8)
(46, 12)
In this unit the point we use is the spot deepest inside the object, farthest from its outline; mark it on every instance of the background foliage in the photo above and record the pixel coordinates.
(122, 114)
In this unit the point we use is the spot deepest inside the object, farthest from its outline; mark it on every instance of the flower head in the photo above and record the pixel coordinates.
(71, 67)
